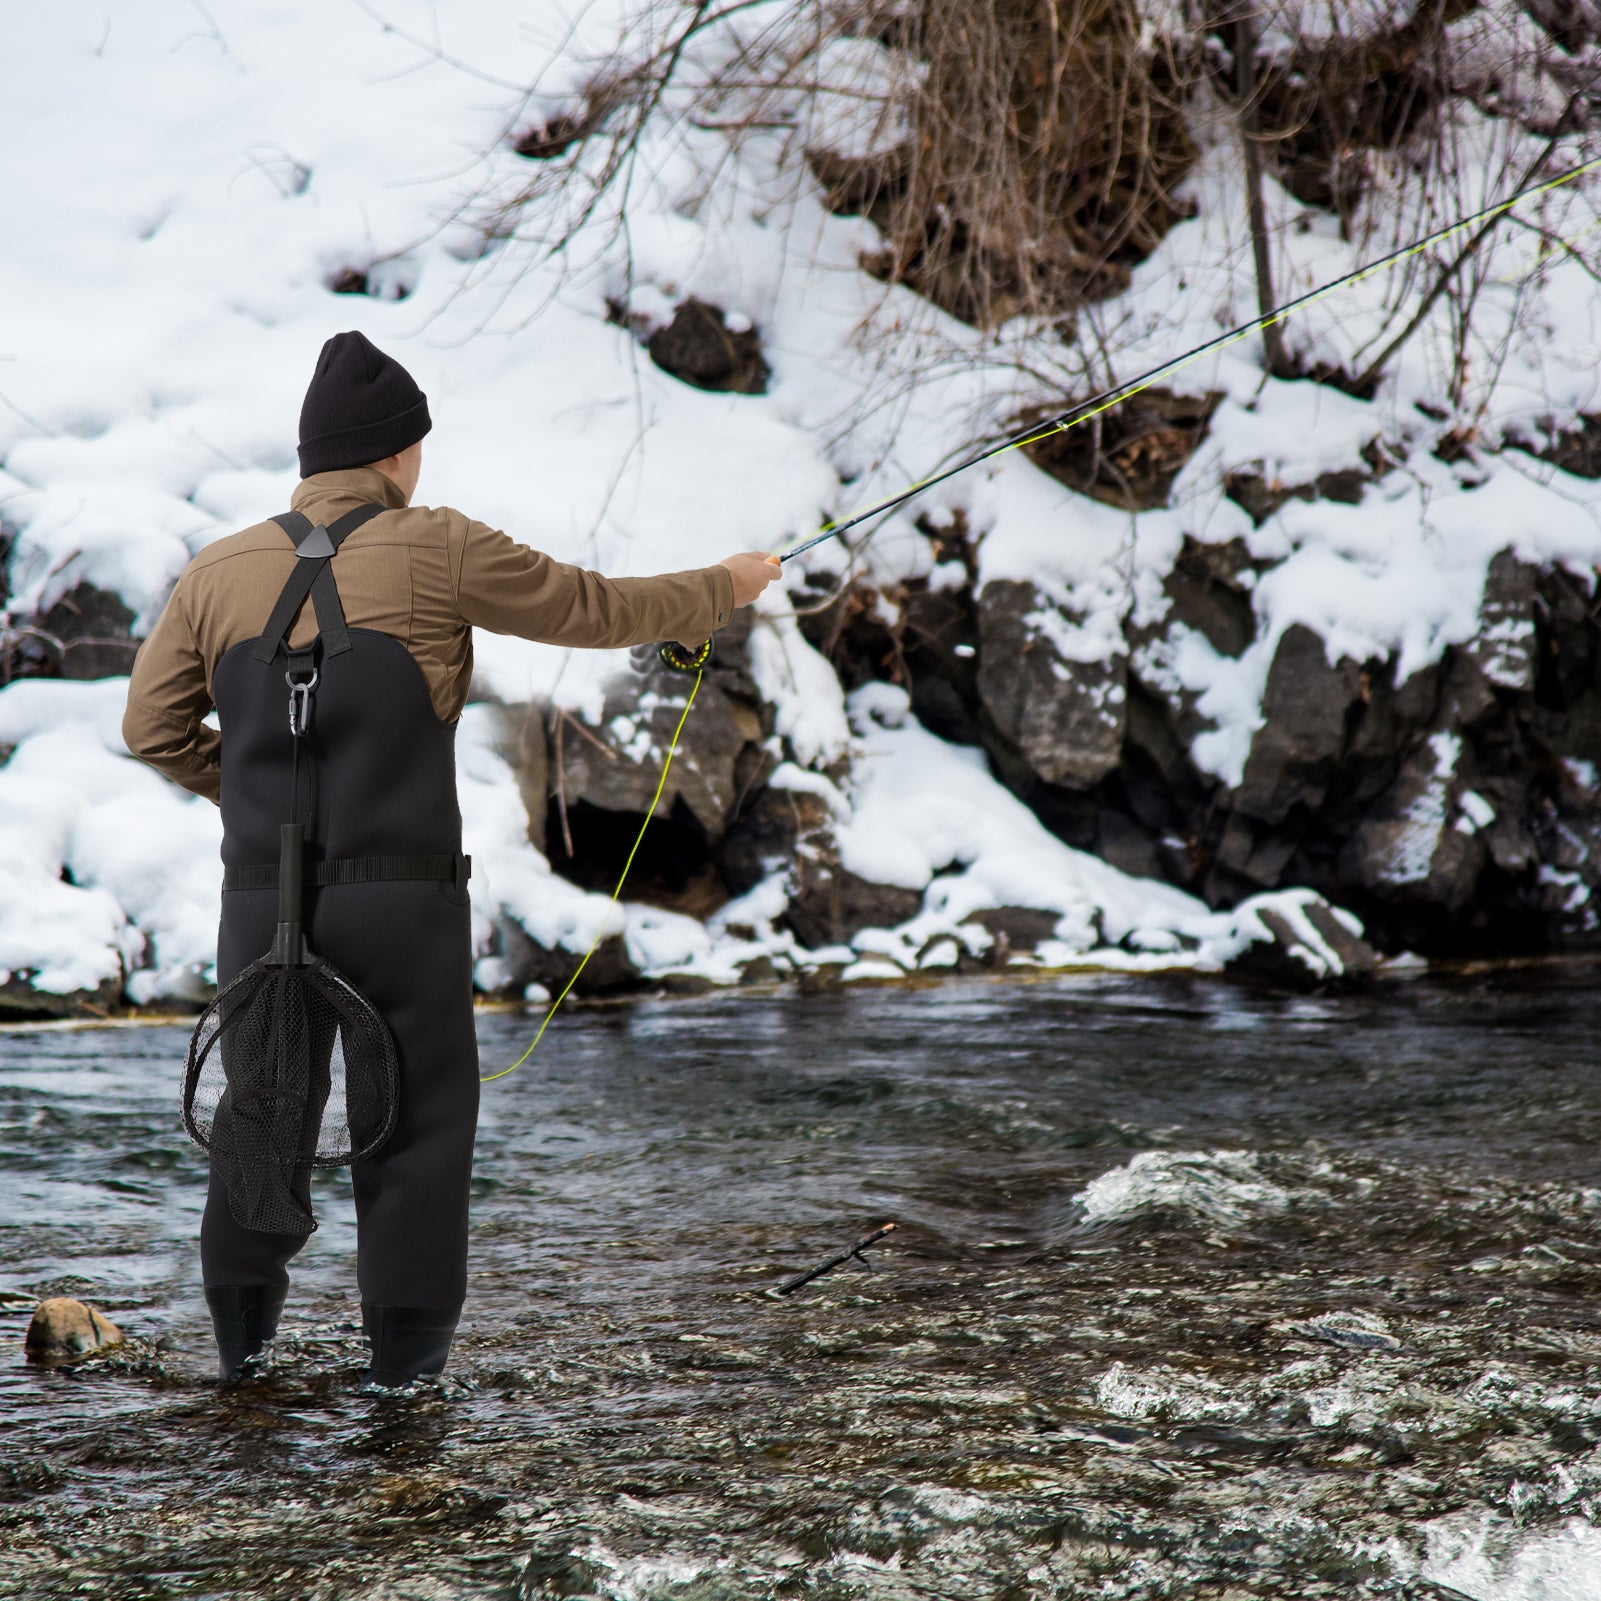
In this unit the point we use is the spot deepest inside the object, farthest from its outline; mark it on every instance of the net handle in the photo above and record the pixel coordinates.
(289, 946)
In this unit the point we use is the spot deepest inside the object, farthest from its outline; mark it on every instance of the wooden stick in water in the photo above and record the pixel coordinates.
(840, 1260)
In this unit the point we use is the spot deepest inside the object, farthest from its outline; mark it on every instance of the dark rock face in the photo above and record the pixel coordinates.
(1205, 592)
(1305, 709)
(1455, 812)
(1062, 719)
(21, 1002)
(922, 637)
(699, 346)
(88, 633)
(599, 781)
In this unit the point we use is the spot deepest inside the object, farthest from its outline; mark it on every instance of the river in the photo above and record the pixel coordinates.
(1195, 1292)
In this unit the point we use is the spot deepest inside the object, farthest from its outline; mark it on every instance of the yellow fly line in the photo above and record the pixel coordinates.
(616, 894)
(1059, 425)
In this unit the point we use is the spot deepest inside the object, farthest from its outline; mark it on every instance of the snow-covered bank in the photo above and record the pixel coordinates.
(1319, 659)
(113, 879)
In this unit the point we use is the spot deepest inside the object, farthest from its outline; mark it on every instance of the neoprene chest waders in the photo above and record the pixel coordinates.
(342, 735)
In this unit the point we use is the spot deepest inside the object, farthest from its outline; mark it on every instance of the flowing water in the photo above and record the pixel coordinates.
(1195, 1293)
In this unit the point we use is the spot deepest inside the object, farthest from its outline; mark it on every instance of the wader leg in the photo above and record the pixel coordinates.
(407, 1342)
(244, 1318)
(408, 948)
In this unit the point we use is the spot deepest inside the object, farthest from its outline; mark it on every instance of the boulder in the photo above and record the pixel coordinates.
(1305, 709)
(830, 905)
(1012, 931)
(703, 348)
(1575, 450)
(63, 1328)
(21, 1002)
(1062, 718)
(615, 764)
(1206, 591)
(517, 961)
(87, 633)
(1260, 494)
(1417, 842)
(768, 836)
(523, 742)
(792, 831)
(922, 637)
(1505, 645)
(1296, 940)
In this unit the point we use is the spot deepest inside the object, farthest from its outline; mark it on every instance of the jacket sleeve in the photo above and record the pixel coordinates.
(167, 698)
(511, 589)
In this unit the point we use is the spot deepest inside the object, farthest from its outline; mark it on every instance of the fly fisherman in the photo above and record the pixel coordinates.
(376, 780)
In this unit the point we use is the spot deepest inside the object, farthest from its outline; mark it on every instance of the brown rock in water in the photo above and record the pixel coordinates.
(63, 1328)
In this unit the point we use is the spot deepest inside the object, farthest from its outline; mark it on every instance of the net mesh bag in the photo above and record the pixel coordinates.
(291, 1067)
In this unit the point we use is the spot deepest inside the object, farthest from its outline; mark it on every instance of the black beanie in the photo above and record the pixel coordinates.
(361, 407)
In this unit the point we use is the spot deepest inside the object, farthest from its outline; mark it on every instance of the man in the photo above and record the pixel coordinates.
(366, 604)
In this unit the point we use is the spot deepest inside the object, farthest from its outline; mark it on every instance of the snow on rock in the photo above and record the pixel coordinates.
(928, 816)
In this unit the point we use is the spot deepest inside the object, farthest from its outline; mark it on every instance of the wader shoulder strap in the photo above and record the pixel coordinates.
(316, 547)
(453, 869)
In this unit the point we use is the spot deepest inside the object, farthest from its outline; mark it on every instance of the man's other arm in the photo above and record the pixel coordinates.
(167, 698)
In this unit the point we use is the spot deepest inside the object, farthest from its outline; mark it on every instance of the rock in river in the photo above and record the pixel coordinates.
(63, 1328)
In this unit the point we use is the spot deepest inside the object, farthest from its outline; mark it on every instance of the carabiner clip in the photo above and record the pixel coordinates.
(300, 702)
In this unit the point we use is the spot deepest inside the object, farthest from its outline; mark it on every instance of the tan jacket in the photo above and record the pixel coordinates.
(427, 576)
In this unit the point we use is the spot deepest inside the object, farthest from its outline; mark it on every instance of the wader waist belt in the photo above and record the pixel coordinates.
(453, 869)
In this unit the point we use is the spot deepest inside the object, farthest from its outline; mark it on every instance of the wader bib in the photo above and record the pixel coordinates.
(385, 902)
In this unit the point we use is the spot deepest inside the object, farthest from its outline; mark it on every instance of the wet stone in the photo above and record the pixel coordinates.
(63, 1328)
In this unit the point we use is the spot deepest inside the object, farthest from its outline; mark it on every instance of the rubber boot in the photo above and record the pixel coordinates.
(244, 1318)
(408, 1342)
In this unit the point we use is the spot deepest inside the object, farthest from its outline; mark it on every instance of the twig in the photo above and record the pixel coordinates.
(833, 1262)
(1376, 367)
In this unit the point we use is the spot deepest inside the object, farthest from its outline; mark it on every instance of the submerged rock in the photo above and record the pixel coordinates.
(63, 1328)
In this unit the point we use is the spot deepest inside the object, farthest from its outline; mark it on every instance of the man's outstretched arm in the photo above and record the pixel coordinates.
(511, 589)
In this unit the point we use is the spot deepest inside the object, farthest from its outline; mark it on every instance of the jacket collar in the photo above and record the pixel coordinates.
(324, 495)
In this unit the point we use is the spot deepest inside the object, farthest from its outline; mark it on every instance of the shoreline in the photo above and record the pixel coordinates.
(1395, 971)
